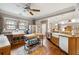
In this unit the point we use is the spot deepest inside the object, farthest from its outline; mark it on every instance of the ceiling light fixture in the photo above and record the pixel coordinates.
(56, 24)
(62, 22)
(73, 20)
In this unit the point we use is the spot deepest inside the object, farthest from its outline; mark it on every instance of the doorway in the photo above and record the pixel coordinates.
(43, 29)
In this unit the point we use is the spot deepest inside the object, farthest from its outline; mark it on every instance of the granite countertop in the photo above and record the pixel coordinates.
(61, 34)
(4, 41)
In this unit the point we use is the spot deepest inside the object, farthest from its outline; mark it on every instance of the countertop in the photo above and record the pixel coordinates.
(62, 34)
(4, 41)
(33, 34)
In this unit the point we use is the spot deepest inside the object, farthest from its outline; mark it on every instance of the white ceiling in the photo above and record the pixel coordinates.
(45, 8)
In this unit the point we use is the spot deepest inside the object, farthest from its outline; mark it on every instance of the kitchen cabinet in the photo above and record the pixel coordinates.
(55, 40)
(5, 50)
(4, 45)
(66, 42)
(16, 40)
(77, 45)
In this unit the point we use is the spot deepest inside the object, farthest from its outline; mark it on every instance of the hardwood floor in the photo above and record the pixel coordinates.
(47, 49)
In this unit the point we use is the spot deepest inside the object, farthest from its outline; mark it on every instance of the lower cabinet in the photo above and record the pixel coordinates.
(78, 46)
(5, 50)
(67, 43)
(55, 40)
(16, 40)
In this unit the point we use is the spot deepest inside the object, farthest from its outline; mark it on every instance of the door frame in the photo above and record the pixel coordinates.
(44, 22)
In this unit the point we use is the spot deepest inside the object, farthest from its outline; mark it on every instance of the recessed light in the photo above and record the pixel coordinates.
(73, 20)
(62, 22)
(56, 24)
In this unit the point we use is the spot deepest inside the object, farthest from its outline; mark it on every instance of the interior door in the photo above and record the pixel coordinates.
(44, 29)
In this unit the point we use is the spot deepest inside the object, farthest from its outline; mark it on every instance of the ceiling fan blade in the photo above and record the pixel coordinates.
(35, 10)
(31, 13)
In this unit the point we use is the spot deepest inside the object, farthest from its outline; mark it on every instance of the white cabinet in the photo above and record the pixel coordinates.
(63, 43)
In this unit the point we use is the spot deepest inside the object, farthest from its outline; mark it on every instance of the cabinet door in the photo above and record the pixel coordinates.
(55, 40)
(63, 43)
(77, 45)
(5, 50)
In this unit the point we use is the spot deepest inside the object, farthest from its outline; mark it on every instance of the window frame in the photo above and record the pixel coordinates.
(9, 24)
(25, 24)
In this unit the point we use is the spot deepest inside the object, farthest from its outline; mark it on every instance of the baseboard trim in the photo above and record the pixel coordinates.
(57, 46)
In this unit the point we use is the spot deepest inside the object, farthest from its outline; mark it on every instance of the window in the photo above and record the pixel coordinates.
(23, 25)
(11, 27)
(10, 24)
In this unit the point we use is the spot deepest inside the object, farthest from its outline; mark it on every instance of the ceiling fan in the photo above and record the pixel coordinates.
(28, 8)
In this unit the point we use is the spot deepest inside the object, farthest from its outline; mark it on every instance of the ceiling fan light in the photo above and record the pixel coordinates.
(35, 10)
(31, 13)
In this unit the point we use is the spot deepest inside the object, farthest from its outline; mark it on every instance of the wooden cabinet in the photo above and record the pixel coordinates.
(67, 43)
(5, 50)
(55, 40)
(71, 45)
(16, 40)
(77, 45)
